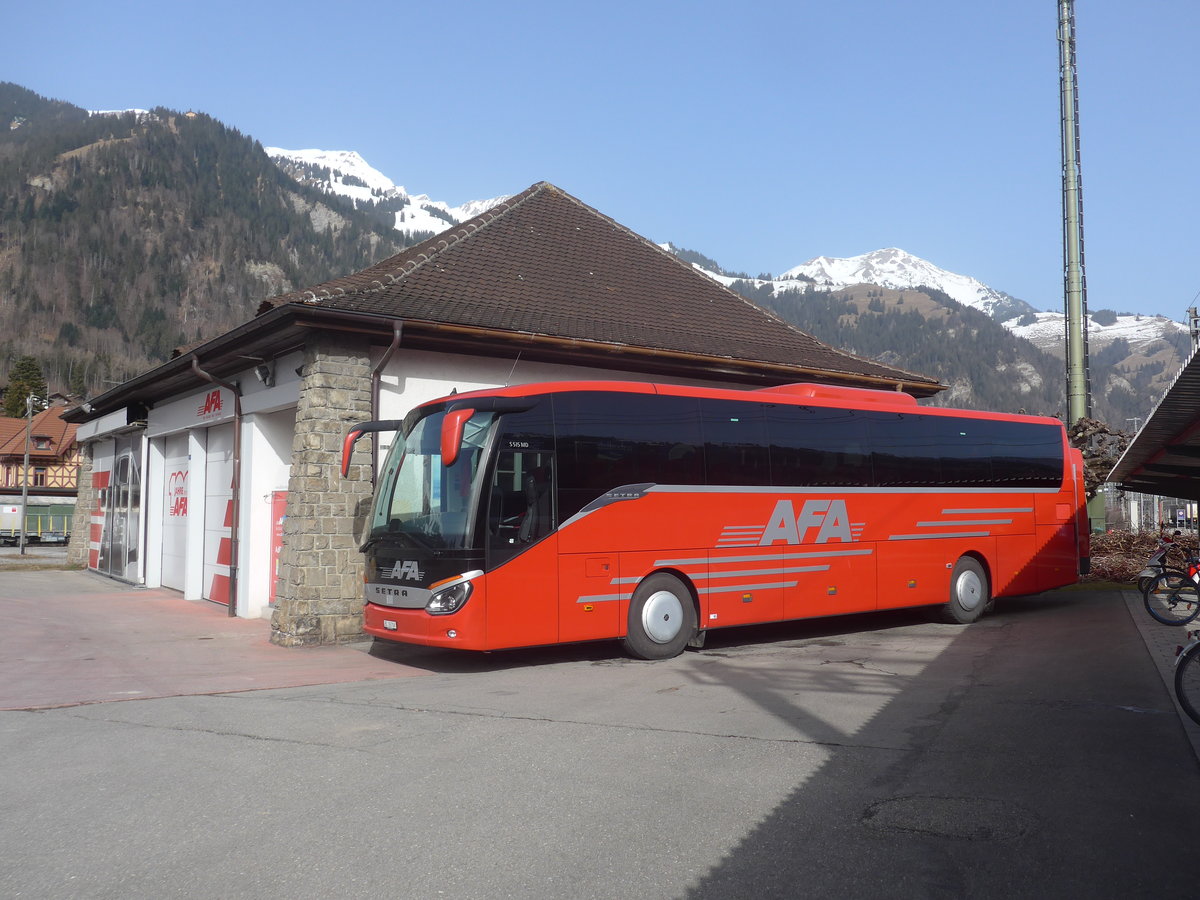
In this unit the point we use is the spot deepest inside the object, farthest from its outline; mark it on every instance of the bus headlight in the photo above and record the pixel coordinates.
(449, 599)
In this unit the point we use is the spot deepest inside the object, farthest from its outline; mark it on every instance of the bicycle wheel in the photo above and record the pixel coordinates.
(1172, 599)
(1187, 681)
(1144, 581)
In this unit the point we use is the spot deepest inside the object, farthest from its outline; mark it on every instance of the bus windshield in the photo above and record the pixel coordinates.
(424, 501)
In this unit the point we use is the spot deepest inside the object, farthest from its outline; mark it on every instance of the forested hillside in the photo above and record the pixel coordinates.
(125, 236)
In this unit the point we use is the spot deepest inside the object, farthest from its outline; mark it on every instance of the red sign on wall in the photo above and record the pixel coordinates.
(278, 514)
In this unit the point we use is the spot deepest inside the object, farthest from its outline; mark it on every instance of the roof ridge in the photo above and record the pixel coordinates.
(447, 239)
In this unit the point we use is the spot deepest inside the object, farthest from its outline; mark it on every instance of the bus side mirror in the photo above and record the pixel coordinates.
(358, 431)
(348, 447)
(452, 434)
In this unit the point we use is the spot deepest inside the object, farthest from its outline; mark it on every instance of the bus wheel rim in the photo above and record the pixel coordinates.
(662, 617)
(969, 590)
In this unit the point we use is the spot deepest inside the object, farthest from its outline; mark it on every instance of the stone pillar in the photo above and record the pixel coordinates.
(319, 596)
(85, 504)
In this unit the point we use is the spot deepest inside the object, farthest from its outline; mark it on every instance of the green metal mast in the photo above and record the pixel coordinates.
(1079, 402)
(1079, 397)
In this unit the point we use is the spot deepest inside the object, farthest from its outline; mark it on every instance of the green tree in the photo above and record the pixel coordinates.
(24, 378)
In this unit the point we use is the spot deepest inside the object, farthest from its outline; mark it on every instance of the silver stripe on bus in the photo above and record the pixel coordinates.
(734, 588)
(742, 574)
(604, 598)
(727, 589)
(946, 522)
(697, 576)
(761, 557)
(939, 534)
(982, 511)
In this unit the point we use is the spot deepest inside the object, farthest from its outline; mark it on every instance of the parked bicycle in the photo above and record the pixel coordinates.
(1187, 677)
(1173, 596)
(1159, 561)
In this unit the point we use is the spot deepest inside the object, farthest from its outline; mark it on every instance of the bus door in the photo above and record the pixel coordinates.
(522, 547)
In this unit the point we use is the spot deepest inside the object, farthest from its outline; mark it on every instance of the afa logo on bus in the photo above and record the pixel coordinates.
(826, 519)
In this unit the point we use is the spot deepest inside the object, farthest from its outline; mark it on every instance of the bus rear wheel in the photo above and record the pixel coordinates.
(969, 593)
(662, 618)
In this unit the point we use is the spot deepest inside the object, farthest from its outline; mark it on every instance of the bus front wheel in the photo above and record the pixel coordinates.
(662, 618)
(969, 593)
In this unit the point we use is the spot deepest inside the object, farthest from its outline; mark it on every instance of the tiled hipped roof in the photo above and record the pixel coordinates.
(47, 424)
(544, 263)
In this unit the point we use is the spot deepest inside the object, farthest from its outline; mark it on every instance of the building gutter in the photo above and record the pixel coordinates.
(236, 486)
(376, 389)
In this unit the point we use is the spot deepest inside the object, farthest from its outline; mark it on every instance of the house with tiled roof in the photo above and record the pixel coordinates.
(234, 444)
(47, 486)
(53, 454)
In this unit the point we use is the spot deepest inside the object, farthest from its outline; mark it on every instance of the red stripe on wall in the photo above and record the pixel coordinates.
(218, 592)
(225, 552)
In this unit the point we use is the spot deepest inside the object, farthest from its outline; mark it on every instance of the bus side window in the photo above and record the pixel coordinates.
(521, 502)
(735, 443)
(818, 446)
(605, 441)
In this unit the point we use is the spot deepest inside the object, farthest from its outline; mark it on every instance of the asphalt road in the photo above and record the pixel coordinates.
(1034, 754)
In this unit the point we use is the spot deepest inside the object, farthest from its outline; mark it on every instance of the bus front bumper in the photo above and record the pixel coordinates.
(463, 630)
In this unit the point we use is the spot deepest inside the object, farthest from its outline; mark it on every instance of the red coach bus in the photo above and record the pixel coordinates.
(550, 513)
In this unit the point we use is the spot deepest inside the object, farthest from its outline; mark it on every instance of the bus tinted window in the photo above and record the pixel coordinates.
(919, 450)
(907, 449)
(1025, 454)
(735, 443)
(607, 440)
(818, 447)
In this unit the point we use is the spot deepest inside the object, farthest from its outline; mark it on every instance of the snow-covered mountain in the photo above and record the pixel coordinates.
(345, 173)
(894, 268)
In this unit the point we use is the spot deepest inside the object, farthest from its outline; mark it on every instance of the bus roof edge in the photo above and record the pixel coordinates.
(810, 391)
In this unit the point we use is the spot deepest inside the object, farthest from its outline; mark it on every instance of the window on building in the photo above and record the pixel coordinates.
(39, 476)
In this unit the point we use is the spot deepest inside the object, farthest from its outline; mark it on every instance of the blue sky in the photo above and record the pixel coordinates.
(761, 134)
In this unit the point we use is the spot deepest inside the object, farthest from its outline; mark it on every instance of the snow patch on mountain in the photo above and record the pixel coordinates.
(1047, 330)
(346, 174)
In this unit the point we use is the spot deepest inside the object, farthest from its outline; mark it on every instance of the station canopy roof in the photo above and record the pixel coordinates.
(1164, 457)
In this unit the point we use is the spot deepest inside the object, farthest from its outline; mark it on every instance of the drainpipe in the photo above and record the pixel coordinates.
(237, 480)
(376, 382)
